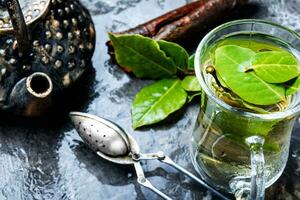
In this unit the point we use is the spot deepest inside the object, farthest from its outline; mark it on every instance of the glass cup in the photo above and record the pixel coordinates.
(237, 151)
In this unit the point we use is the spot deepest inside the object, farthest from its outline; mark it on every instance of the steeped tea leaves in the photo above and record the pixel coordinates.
(231, 63)
(275, 66)
(241, 127)
(293, 86)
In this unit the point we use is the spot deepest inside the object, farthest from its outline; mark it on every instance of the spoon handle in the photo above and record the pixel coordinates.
(170, 162)
(145, 182)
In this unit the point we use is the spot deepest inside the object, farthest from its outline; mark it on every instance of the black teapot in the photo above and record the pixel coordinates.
(45, 46)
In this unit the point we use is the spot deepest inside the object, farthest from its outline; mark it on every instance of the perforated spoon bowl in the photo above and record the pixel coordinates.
(112, 143)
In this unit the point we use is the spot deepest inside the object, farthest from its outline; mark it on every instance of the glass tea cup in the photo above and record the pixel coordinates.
(237, 151)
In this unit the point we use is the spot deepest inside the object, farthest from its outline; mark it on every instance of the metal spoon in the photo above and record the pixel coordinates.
(112, 143)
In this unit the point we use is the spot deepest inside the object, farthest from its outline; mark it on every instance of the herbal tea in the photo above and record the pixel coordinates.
(254, 73)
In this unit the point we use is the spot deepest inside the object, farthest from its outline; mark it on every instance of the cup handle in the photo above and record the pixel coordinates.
(257, 186)
(256, 144)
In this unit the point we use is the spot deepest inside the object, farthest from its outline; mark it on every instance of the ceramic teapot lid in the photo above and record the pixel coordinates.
(31, 9)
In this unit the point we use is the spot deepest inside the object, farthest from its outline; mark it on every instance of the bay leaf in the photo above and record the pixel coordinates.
(157, 101)
(293, 87)
(191, 61)
(237, 102)
(232, 99)
(177, 53)
(231, 62)
(241, 126)
(191, 84)
(275, 66)
(143, 56)
(238, 128)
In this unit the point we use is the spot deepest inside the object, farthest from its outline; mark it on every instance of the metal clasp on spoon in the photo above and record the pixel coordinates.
(112, 143)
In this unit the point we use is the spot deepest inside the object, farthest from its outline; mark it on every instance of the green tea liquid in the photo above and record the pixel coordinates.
(222, 154)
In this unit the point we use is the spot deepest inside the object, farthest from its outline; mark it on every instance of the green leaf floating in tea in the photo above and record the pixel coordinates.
(176, 53)
(275, 66)
(143, 56)
(155, 102)
(293, 86)
(231, 63)
(191, 84)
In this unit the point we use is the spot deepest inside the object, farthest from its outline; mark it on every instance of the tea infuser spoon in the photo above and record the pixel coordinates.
(112, 143)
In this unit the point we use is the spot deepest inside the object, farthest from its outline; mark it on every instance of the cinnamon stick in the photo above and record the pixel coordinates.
(179, 23)
(176, 23)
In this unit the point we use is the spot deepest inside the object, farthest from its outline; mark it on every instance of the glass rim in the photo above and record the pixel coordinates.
(212, 95)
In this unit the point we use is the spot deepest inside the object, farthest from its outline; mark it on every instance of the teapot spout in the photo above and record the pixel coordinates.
(31, 96)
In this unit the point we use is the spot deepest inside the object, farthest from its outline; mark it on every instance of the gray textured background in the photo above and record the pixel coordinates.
(47, 160)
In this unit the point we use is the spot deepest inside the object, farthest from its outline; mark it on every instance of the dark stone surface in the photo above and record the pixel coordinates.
(47, 160)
